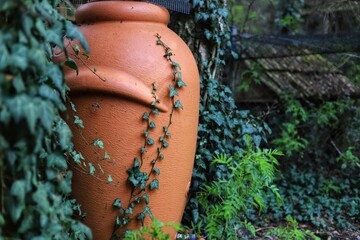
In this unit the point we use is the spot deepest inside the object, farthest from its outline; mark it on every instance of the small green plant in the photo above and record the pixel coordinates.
(251, 172)
(348, 159)
(250, 76)
(290, 140)
(154, 231)
(291, 231)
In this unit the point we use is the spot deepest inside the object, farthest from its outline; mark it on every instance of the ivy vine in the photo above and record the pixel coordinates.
(222, 126)
(138, 179)
(34, 181)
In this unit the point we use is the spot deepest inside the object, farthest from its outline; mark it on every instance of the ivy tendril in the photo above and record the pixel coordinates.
(139, 180)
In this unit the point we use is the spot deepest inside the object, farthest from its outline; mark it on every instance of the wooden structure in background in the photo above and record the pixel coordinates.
(304, 75)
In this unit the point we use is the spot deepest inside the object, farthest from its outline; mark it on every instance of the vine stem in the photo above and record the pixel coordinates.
(76, 55)
(140, 183)
(164, 136)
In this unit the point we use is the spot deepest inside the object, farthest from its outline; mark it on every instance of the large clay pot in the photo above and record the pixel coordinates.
(121, 37)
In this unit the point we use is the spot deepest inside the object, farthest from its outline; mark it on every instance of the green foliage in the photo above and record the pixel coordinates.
(321, 184)
(290, 141)
(139, 180)
(289, 19)
(34, 181)
(348, 159)
(227, 200)
(251, 75)
(353, 72)
(291, 231)
(154, 231)
(222, 126)
(314, 195)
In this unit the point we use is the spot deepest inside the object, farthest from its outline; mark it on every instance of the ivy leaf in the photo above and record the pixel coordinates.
(146, 133)
(117, 203)
(145, 116)
(18, 190)
(168, 54)
(73, 106)
(147, 211)
(136, 163)
(86, 55)
(78, 122)
(56, 160)
(41, 198)
(129, 211)
(154, 184)
(141, 217)
(98, 143)
(109, 179)
(155, 111)
(142, 150)
(91, 169)
(73, 32)
(150, 141)
(106, 156)
(173, 92)
(180, 83)
(175, 64)
(15, 211)
(146, 198)
(117, 221)
(152, 125)
(165, 144)
(178, 104)
(72, 64)
(76, 49)
(77, 157)
(157, 171)
(55, 75)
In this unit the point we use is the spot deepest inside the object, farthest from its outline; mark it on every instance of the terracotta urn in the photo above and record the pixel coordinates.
(111, 101)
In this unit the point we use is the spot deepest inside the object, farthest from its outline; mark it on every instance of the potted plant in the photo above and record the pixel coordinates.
(137, 96)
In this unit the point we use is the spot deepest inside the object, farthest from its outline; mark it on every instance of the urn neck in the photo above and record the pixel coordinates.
(99, 11)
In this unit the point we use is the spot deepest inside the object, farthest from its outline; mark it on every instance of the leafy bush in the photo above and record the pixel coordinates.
(321, 199)
(34, 183)
(227, 200)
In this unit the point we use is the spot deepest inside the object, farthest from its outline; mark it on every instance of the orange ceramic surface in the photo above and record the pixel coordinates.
(122, 39)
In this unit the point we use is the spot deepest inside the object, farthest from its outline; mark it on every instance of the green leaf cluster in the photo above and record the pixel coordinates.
(291, 231)
(34, 181)
(155, 231)
(139, 179)
(222, 126)
(251, 174)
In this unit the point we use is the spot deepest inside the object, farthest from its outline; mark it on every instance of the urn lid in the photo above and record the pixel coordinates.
(182, 6)
(99, 11)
